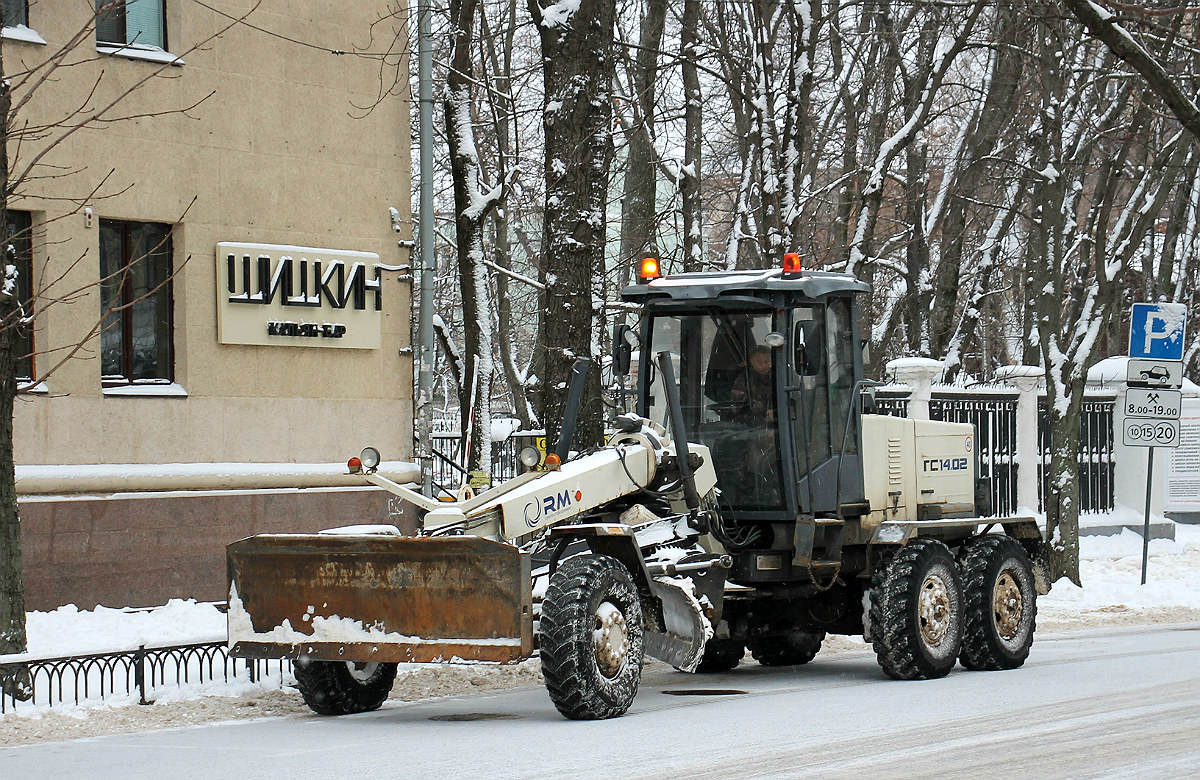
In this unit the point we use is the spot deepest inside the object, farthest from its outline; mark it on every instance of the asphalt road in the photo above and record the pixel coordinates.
(1112, 703)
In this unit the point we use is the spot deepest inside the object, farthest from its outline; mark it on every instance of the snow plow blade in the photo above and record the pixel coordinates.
(682, 644)
(379, 598)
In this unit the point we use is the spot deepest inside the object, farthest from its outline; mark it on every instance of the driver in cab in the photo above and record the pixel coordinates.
(753, 391)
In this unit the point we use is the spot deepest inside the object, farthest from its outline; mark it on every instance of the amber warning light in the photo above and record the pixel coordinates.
(650, 269)
(791, 263)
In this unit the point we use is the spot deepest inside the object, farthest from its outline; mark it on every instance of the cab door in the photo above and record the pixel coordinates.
(820, 381)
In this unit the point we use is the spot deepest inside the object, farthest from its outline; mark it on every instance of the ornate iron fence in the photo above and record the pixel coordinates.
(1097, 465)
(993, 413)
(96, 677)
(895, 404)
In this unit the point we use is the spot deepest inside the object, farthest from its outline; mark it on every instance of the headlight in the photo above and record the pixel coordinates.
(369, 458)
(530, 457)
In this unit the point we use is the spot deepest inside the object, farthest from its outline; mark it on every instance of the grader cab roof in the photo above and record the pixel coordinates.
(742, 286)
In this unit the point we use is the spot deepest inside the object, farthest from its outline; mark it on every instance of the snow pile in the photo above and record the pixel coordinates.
(1111, 569)
(71, 631)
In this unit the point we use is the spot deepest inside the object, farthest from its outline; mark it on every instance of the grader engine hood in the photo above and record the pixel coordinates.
(918, 469)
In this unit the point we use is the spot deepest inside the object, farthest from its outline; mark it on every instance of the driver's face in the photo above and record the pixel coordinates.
(761, 362)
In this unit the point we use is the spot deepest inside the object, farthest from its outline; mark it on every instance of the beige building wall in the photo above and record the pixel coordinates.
(253, 139)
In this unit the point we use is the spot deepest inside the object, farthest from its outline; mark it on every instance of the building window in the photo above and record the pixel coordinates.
(16, 13)
(20, 224)
(131, 22)
(135, 302)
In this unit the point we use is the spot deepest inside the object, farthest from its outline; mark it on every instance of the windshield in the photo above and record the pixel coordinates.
(727, 388)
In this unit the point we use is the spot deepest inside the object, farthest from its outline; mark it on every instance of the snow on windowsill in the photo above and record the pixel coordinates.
(21, 33)
(32, 387)
(138, 51)
(172, 390)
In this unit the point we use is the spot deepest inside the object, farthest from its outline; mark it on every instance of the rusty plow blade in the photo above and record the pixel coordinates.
(377, 598)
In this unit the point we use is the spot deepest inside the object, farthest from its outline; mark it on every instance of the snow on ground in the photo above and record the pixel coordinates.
(1111, 569)
(1112, 595)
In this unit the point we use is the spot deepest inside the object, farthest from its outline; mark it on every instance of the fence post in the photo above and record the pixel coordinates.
(1026, 379)
(918, 373)
(139, 673)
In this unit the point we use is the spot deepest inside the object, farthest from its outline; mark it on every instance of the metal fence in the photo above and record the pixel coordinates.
(97, 677)
(1096, 462)
(448, 473)
(993, 413)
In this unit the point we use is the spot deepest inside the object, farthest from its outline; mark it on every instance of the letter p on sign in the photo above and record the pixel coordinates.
(1156, 330)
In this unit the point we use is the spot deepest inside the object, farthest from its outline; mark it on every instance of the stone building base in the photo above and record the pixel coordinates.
(146, 549)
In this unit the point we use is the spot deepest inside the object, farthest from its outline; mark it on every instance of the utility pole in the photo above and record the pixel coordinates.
(427, 256)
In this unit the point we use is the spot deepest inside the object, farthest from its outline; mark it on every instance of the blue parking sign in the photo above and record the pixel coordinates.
(1156, 330)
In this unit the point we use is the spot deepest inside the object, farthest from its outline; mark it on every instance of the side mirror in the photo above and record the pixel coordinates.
(869, 404)
(624, 339)
(808, 346)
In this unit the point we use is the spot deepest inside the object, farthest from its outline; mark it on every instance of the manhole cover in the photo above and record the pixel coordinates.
(705, 692)
(476, 716)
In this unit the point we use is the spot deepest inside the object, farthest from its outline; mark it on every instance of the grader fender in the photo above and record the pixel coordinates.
(373, 598)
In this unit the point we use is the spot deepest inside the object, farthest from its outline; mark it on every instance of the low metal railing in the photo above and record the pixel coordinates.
(95, 677)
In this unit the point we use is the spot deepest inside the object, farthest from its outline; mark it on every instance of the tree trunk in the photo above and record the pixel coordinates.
(14, 682)
(471, 206)
(641, 171)
(577, 61)
(1062, 487)
(693, 133)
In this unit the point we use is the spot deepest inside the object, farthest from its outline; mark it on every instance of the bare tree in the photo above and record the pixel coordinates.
(638, 206)
(1105, 25)
(577, 55)
(473, 200)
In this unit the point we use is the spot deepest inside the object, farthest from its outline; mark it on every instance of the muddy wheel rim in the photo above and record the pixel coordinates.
(1008, 605)
(934, 610)
(610, 637)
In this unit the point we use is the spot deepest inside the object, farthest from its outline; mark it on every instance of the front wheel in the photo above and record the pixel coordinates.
(591, 638)
(344, 687)
(916, 611)
(1001, 603)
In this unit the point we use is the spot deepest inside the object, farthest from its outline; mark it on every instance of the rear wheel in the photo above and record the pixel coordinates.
(591, 638)
(916, 611)
(1000, 603)
(793, 649)
(344, 687)
(720, 655)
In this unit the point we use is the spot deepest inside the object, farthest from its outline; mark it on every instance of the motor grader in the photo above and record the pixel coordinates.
(750, 501)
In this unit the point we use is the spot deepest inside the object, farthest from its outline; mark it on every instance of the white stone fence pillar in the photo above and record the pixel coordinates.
(918, 373)
(1026, 379)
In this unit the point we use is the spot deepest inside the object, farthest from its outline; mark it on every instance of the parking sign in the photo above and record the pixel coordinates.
(1156, 331)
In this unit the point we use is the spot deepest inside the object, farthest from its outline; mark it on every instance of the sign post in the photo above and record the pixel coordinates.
(1153, 399)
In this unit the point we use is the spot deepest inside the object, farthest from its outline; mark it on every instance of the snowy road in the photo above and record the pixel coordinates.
(1104, 703)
